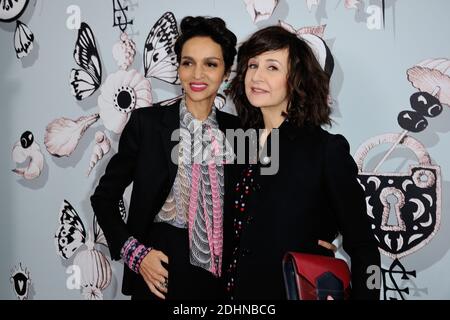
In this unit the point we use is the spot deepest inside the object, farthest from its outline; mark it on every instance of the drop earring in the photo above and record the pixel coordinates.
(225, 86)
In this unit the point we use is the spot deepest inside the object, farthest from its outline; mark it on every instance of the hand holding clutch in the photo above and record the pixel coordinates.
(315, 277)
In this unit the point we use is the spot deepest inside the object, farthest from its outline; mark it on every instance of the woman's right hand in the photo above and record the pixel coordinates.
(153, 272)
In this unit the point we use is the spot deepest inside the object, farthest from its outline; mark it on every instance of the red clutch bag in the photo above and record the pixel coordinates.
(314, 277)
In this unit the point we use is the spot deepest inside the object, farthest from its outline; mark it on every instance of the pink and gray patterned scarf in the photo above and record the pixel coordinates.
(202, 170)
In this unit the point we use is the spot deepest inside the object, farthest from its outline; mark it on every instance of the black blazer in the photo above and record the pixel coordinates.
(314, 195)
(144, 158)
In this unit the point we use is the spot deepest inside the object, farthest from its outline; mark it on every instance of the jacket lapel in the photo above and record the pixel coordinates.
(221, 121)
(171, 123)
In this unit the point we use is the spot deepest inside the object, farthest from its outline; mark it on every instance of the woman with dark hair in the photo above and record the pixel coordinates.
(171, 244)
(281, 89)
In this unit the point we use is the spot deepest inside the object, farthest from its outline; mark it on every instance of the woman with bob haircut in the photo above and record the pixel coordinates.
(171, 244)
(281, 89)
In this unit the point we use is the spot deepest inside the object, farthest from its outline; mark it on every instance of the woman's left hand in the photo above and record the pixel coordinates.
(327, 245)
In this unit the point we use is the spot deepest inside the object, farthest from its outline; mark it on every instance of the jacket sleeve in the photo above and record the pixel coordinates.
(117, 177)
(348, 203)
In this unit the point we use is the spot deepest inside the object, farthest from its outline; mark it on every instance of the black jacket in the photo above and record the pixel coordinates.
(144, 159)
(314, 195)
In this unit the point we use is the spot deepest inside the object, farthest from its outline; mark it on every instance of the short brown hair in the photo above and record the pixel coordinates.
(308, 83)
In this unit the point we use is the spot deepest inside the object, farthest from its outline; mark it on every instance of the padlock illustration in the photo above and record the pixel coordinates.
(404, 208)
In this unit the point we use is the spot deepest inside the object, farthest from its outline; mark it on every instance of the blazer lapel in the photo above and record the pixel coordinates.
(221, 120)
(170, 140)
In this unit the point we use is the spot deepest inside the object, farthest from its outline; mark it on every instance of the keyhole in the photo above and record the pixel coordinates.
(393, 200)
(392, 218)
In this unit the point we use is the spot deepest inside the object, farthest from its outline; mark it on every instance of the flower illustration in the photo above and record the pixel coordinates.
(121, 93)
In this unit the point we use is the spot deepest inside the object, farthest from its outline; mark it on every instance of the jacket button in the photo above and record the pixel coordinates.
(250, 219)
(245, 252)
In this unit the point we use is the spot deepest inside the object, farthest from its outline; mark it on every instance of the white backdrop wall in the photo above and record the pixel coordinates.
(369, 88)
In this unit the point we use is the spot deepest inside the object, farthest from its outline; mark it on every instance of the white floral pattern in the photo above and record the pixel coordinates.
(121, 93)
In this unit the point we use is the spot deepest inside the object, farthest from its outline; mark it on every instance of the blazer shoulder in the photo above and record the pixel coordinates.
(319, 134)
(334, 147)
(335, 141)
(156, 112)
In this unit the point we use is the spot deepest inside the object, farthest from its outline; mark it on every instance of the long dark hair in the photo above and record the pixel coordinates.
(212, 27)
(308, 84)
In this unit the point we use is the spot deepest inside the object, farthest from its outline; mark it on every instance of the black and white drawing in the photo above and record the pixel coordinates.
(160, 61)
(11, 10)
(404, 208)
(85, 81)
(21, 280)
(28, 148)
(71, 239)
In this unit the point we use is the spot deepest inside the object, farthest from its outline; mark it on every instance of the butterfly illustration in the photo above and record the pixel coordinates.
(95, 269)
(98, 232)
(85, 81)
(71, 233)
(160, 61)
(23, 37)
(23, 40)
